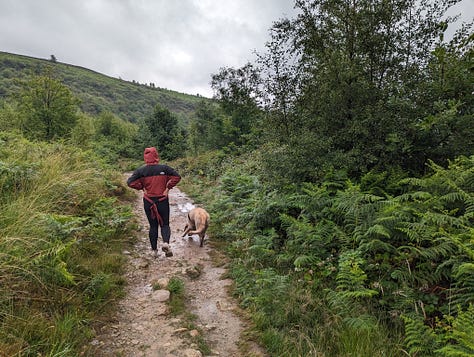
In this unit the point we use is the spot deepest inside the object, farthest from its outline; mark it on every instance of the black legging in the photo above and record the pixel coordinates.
(164, 211)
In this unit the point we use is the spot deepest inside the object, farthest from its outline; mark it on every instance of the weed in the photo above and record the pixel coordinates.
(177, 302)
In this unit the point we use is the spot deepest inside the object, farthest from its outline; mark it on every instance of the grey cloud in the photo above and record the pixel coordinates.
(174, 44)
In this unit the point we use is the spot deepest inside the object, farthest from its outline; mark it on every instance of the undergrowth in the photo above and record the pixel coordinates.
(380, 267)
(62, 229)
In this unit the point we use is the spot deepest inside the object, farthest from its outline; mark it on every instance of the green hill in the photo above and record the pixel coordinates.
(97, 92)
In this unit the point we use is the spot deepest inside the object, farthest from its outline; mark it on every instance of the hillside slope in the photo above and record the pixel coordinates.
(97, 92)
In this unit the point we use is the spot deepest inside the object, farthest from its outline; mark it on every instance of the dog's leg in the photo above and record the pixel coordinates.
(186, 230)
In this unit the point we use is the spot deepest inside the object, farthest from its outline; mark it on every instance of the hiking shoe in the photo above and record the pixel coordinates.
(154, 253)
(166, 248)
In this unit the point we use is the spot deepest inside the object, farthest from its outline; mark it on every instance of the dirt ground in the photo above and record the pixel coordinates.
(144, 326)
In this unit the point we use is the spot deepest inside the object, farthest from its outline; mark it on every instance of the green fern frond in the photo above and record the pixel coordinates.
(362, 293)
(470, 206)
(377, 230)
(468, 178)
(443, 220)
(464, 269)
(304, 261)
(404, 276)
(413, 181)
(351, 201)
(442, 248)
(376, 245)
(461, 337)
(417, 196)
(420, 340)
(351, 278)
(415, 232)
(463, 292)
(361, 322)
(389, 220)
(457, 196)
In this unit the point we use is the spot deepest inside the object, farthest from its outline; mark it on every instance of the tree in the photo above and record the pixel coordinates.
(83, 132)
(117, 133)
(237, 91)
(9, 117)
(48, 107)
(162, 130)
(210, 128)
(342, 80)
(445, 130)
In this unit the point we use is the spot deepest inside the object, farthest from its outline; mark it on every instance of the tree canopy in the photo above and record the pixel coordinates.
(49, 108)
(360, 85)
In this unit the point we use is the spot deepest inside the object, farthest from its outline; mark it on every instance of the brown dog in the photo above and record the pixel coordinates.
(198, 221)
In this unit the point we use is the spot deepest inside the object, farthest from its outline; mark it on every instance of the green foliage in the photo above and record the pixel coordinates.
(83, 132)
(343, 240)
(9, 117)
(15, 176)
(464, 274)
(420, 340)
(107, 218)
(207, 166)
(61, 236)
(235, 94)
(115, 137)
(357, 256)
(210, 129)
(460, 339)
(49, 109)
(176, 286)
(351, 278)
(177, 299)
(98, 288)
(162, 131)
(358, 86)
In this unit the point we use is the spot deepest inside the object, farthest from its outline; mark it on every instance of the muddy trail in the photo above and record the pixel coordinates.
(144, 326)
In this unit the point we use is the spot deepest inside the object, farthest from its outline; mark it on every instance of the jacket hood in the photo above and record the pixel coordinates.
(151, 156)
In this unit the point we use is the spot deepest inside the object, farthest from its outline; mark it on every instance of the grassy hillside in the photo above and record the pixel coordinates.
(96, 91)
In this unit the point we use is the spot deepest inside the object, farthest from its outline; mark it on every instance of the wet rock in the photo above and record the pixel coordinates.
(193, 272)
(160, 295)
(161, 282)
(192, 353)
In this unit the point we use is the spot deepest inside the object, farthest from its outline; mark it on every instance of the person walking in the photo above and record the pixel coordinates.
(155, 180)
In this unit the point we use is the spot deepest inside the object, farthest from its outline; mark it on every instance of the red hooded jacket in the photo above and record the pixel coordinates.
(154, 178)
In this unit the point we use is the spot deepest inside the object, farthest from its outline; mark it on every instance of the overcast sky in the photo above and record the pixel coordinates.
(176, 44)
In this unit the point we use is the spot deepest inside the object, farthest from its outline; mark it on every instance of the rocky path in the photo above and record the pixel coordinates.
(144, 326)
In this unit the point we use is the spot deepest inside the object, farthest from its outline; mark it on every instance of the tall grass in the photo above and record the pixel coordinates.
(61, 233)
